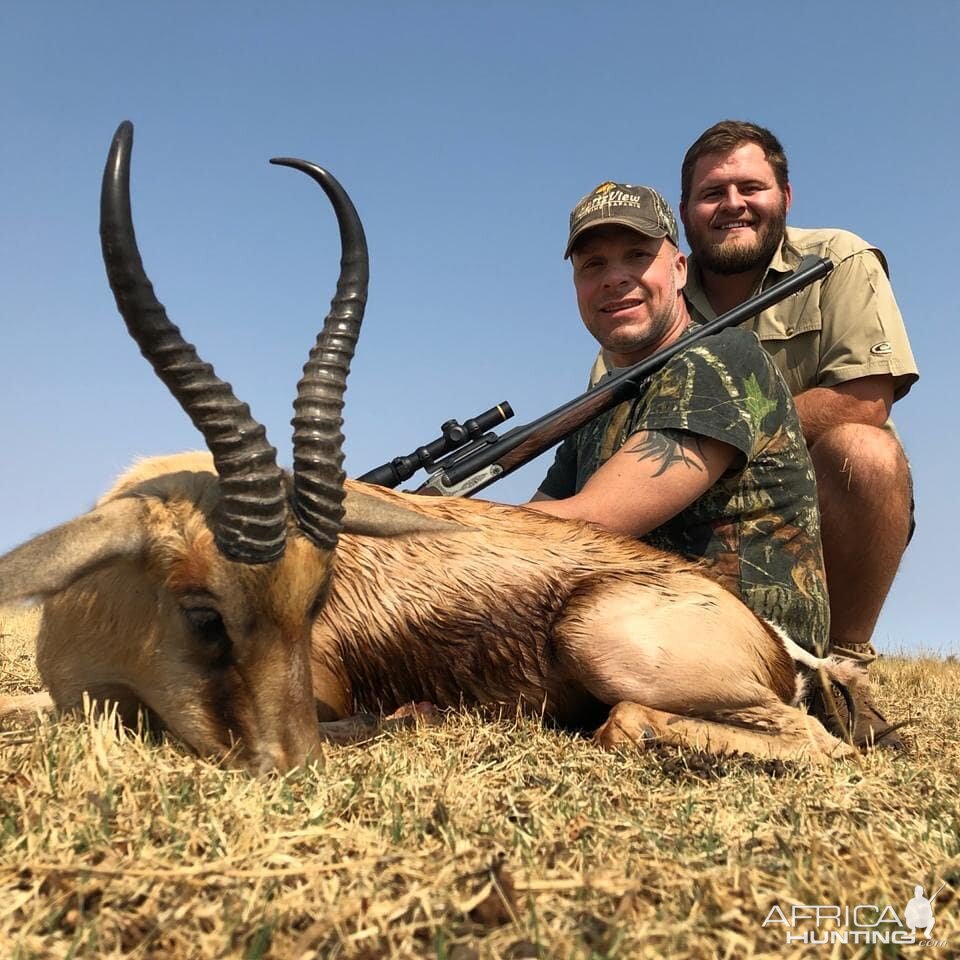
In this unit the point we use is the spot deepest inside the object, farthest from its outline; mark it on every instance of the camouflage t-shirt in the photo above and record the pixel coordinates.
(758, 527)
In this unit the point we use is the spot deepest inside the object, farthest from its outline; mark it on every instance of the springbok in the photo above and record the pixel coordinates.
(252, 613)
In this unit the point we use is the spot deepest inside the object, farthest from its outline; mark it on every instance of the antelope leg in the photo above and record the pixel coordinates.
(26, 705)
(771, 730)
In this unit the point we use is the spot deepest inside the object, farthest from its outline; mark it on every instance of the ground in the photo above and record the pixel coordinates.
(464, 840)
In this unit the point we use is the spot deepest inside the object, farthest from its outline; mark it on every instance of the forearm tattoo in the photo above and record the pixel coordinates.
(667, 447)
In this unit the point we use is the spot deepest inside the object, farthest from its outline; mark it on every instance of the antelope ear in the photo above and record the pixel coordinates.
(370, 516)
(53, 560)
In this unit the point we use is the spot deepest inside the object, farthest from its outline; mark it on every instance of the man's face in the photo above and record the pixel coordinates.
(735, 214)
(628, 290)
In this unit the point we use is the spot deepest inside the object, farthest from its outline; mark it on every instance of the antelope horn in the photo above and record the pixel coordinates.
(250, 520)
(317, 440)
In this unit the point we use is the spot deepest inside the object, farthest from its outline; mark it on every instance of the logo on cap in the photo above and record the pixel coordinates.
(638, 208)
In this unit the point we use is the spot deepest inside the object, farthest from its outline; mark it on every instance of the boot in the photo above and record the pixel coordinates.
(827, 703)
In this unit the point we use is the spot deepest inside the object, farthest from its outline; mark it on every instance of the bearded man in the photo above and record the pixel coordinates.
(842, 347)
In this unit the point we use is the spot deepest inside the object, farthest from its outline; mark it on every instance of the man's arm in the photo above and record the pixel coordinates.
(865, 357)
(866, 400)
(653, 477)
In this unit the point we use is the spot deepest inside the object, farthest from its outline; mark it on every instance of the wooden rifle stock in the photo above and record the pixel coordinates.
(522, 444)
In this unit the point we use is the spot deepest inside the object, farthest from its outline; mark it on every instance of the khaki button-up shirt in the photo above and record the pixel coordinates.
(842, 328)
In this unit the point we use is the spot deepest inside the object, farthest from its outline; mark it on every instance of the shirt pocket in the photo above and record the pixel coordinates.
(791, 333)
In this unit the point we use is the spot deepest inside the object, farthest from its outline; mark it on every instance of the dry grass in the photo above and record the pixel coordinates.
(469, 839)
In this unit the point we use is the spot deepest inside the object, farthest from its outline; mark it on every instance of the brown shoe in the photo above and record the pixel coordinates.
(870, 727)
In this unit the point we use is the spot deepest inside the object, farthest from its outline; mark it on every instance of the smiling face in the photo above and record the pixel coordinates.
(735, 214)
(629, 291)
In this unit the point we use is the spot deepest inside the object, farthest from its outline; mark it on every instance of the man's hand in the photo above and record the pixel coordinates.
(654, 476)
(866, 400)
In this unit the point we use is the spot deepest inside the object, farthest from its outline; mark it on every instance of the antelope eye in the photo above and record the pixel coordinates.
(209, 625)
(203, 618)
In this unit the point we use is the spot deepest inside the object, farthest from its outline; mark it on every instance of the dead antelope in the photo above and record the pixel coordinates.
(238, 605)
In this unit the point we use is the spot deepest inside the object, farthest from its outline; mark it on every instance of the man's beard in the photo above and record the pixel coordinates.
(731, 258)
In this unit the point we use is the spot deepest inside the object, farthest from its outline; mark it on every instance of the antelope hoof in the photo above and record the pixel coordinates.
(355, 729)
(628, 725)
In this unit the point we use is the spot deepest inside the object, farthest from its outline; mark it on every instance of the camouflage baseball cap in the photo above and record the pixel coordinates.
(639, 208)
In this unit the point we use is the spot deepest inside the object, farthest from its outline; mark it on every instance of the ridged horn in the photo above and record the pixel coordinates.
(250, 521)
(317, 440)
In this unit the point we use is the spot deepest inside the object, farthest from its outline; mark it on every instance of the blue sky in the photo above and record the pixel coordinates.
(464, 133)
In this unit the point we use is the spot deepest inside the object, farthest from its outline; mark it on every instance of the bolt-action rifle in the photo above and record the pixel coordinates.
(466, 459)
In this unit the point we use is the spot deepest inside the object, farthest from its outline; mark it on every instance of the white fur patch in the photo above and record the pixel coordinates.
(839, 670)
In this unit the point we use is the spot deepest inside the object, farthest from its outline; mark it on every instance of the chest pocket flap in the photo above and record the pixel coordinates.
(791, 317)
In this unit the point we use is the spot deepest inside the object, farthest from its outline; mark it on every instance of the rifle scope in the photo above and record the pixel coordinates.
(453, 436)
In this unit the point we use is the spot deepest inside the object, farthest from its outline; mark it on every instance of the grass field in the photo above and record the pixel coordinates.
(465, 840)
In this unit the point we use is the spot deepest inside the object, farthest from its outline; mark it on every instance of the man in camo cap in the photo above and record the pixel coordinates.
(708, 458)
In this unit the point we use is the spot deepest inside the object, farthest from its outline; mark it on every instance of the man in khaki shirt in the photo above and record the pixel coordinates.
(841, 346)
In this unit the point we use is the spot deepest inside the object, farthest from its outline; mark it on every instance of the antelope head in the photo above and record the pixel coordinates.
(190, 589)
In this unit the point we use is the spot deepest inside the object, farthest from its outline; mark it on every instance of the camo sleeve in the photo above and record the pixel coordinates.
(723, 387)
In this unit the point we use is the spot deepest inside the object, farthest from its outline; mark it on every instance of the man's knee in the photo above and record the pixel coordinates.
(854, 456)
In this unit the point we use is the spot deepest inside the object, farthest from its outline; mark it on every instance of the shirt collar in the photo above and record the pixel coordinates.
(786, 258)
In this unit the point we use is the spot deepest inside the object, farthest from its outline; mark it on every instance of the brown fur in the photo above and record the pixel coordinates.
(515, 613)
(120, 631)
(508, 607)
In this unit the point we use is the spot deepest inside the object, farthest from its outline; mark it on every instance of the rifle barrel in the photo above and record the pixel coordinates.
(521, 444)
